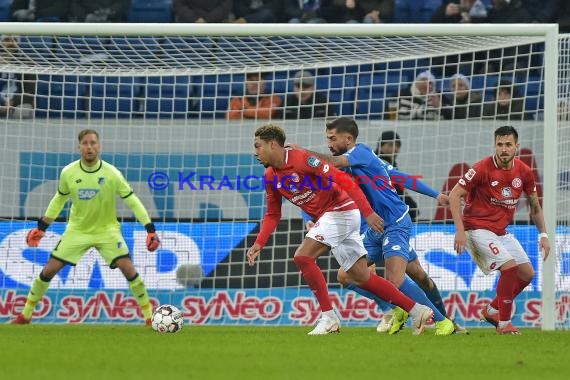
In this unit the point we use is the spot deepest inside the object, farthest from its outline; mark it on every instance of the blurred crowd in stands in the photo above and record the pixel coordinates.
(447, 91)
(271, 11)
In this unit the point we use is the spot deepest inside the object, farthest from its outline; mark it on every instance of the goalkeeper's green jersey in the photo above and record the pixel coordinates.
(93, 192)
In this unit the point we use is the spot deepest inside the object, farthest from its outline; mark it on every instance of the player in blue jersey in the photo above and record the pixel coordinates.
(375, 178)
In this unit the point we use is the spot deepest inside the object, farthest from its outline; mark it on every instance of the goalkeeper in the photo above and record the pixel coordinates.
(92, 184)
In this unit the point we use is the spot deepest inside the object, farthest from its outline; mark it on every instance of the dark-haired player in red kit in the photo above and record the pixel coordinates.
(491, 190)
(314, 186)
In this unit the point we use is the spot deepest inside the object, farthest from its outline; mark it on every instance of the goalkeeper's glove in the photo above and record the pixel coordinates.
(152, 241)
(34, 236)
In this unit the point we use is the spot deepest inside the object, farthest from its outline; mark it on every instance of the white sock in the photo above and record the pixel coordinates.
(491, 310)
(330, 314)
(416, 311)
(503, 323)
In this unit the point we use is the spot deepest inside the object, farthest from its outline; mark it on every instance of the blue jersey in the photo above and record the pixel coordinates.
(376, 179)
(378, 189)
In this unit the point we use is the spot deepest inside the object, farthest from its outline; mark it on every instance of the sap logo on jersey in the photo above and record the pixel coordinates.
(87, 194)
(182, 245)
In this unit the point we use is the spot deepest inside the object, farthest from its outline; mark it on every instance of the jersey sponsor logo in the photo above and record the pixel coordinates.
(87, 194)
(494, 183)
(313, 161)
(295, 177)
(101, 181)
(78, 180)
(517, 182)
(506, 192)
(319, 237)
(462, 182)
(470, 174)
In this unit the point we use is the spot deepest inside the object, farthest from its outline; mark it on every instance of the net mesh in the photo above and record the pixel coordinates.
(160, 104)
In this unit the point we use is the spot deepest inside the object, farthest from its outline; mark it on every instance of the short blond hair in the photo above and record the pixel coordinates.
(86, 132)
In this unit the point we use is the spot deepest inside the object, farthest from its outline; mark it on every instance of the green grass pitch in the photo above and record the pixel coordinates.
(209, 352)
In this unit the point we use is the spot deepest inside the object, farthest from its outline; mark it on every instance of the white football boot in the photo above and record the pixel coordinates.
(327, 324)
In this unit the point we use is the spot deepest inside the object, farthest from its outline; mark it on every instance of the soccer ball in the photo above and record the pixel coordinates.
(167, 319)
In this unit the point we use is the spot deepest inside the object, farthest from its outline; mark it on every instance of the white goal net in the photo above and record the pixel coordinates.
(159, 97)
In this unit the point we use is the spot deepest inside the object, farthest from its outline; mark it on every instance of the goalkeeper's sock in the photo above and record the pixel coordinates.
(37, 291)
(383, 305)
(412, 290)
(138, 289)
(315, 279)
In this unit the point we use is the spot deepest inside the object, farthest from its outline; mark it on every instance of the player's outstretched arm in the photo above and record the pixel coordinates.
(455, 197)
(337, 161)
(537, 217)
(135, 204)
(414, 183)
(54, 208)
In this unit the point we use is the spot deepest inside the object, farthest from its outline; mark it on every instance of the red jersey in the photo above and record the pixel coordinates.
(306, 182)
(493, 194)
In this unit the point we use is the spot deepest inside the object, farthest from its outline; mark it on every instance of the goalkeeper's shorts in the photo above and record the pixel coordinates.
(73, 245)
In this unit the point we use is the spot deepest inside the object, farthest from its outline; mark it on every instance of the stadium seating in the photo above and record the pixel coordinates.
(340, 90)
(168, 97)
(208, 96)
(61, 96)
(373, 92)
(5, 10)
(414, 11)
(114, 97)
(150, 11)
(426, 9)
(37, 48)
(215, 92)
(403, 11)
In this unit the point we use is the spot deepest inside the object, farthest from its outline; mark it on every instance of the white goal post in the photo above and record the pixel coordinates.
(147, 64)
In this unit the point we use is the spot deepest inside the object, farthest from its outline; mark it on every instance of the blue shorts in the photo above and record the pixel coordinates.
(395, 241)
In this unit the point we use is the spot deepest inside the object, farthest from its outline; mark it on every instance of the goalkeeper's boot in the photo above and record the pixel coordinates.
(508, 329)
(386, 322)
(485, 316)
(326, 325)
(445, 327)
(20, 320)
(148, 322)
(399, 320)
(460, 329)
(419, 324)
